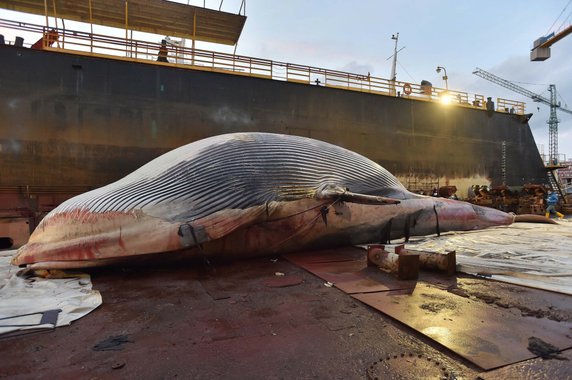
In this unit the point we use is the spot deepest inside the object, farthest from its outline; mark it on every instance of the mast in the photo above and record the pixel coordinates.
(553, 128)
(393, 73)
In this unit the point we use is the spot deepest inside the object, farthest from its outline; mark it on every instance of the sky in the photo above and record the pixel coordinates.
(355, 36)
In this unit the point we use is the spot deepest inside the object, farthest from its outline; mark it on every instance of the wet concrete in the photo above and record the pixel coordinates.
(237, 321)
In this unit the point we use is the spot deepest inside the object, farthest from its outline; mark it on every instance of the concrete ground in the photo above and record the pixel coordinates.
(239, 320)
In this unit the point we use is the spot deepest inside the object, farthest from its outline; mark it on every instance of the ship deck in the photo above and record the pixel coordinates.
(240, 320)
(88, 44)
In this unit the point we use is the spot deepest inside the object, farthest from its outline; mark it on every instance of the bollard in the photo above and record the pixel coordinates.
(445, 262)
(406, 264)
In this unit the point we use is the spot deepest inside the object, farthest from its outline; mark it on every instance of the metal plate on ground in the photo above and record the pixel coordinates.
(539, 368)
(484, 335)
(347, 269)
(327, 255)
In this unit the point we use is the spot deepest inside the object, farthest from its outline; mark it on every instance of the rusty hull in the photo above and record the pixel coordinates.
(71, 122)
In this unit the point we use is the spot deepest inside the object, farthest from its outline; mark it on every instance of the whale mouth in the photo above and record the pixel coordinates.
(58, 255)
(70, 264)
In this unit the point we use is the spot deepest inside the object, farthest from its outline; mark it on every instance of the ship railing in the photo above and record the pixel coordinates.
(79, 42)
(510, 106)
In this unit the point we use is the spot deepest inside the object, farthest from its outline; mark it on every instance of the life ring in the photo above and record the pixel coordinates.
(407, 89)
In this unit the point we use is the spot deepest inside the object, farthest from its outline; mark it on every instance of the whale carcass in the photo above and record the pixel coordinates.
(240, 195)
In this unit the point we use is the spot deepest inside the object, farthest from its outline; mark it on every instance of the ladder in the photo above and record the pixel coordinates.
(555, 184)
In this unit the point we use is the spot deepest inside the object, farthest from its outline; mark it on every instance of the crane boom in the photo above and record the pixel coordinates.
(555, 38)
(541, 47)
(511, 86)
(552, 102)
(516, 88)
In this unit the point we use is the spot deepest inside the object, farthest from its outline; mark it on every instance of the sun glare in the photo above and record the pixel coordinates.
(445, 99)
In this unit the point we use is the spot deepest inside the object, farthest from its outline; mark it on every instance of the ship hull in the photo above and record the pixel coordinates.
(70, 122)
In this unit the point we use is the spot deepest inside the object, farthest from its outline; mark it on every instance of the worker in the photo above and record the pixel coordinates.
(162, 57)
(47, 40)
(490, 104)
(552, 201)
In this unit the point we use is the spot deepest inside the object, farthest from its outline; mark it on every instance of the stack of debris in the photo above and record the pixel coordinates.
(530, 199)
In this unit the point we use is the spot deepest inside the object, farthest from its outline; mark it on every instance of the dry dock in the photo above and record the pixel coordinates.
(240, 320)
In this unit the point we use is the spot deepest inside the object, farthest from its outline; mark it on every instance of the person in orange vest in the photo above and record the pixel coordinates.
(47, 40)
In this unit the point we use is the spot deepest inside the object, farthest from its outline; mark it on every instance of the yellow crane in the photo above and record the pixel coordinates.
(541, 47)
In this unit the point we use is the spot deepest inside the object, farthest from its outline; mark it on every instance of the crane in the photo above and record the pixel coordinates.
(541, 47)
(552, 120)
(552, 102)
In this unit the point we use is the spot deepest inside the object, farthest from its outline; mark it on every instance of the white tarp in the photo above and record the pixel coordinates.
(73, 296)
(529, 254)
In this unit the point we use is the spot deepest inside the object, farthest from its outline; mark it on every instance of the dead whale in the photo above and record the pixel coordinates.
(240, 195)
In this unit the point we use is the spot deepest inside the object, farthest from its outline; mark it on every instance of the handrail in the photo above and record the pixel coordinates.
(78, 42)
(510, 106)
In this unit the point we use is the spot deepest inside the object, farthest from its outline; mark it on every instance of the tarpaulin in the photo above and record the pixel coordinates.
(529, 254)
(25, 300)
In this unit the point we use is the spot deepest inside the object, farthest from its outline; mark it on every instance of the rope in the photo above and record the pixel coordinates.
(555, 21)
(437, 221)
(306, 227)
